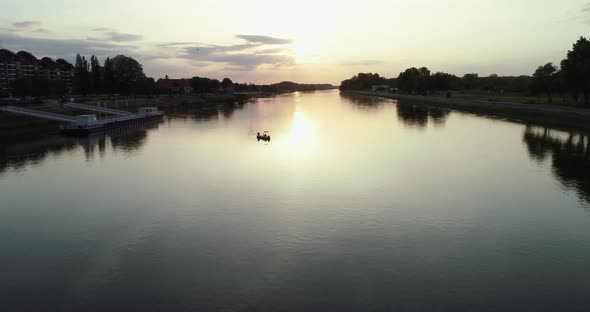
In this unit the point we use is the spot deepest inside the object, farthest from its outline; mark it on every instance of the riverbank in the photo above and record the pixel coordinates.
(205, 105)
(551, 115)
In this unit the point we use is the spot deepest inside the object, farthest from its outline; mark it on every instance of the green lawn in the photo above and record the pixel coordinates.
(507, 97)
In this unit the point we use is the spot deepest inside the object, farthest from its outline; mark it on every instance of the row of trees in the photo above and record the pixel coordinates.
(422, 81)
(364, 81)
(204, 85)
(573, 77)
(121, 74)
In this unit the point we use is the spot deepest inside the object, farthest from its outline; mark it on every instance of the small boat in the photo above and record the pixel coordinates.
(264, 136)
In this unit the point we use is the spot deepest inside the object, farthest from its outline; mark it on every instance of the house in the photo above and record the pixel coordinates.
(380, 88)
(174, 85)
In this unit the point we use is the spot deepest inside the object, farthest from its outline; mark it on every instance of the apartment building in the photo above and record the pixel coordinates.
(25, 65)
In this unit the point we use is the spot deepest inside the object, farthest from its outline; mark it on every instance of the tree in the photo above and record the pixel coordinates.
(414, 80)
(408, 80)
(543, 80)
(470, 81)
(576, 70)
(204, 85)
(362, 81)
(424, 80)
(145, 85)
(492, 82)
(126, 73)
(82, 82)
(97, 75)
(443, 82)
(226, 82)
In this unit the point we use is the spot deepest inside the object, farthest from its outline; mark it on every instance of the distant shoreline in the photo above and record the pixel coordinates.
(550, 115)
(16, 128)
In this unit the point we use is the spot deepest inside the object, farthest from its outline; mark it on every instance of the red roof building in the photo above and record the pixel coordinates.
(175, 85)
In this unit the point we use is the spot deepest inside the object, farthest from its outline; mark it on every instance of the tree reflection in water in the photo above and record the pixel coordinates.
(569, 153)
(418, 116)
(204, 111)
(363, 102)
(18, 156)
(409, 114)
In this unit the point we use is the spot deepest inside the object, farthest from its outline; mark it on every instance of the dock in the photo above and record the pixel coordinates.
(38, 114)
(87, 124)
(97, 109)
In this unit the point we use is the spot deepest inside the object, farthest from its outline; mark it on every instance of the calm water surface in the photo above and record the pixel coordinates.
(356, 204)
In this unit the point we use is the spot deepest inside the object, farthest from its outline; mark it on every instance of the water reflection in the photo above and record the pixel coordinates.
(569, 153)
(205, 111)
(364, 103)
(18, 156)
(344, 199)
(418, 116)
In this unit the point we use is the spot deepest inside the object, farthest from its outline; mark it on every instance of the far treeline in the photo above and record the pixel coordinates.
(124, 75)
(572, 79)
(208, 85)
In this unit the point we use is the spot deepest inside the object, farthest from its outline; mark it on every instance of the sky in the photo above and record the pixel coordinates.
(307, 41)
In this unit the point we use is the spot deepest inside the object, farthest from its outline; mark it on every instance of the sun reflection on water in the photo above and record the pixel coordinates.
(301, 139)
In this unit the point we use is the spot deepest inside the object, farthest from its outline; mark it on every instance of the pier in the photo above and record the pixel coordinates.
(97, 109)
(86, 124)
(38, 114)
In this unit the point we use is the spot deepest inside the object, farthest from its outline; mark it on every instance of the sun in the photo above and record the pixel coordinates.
(304, 50)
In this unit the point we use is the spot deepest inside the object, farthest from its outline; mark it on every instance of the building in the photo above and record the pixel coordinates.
(8, 64)
(380, 88)
(174, 85)
(66, 72)
(23, 64)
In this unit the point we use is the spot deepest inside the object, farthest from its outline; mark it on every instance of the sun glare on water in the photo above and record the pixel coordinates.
(301, 139)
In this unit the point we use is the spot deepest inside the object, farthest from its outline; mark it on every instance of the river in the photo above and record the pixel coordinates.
(356, 204)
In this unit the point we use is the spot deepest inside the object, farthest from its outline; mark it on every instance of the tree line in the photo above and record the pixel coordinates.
(121, 74)
(571, 78)
(573, 75)
(208, 85)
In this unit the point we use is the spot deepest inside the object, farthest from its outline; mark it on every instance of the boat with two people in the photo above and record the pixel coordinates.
(264, 136)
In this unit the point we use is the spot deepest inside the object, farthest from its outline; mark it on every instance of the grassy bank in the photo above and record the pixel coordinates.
(512, 97)
(550, 115)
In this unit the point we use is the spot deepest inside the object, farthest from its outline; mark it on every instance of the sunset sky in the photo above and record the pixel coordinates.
(265, 41)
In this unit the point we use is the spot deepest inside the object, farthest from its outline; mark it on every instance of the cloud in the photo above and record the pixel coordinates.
(586, 7)
(264, 39)
(246, 56)
(248, 53)
(26, 24)
(251, 61)
(256, 51)
(274, 50)
(64, 48)
(177, 44)
(118, 37)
